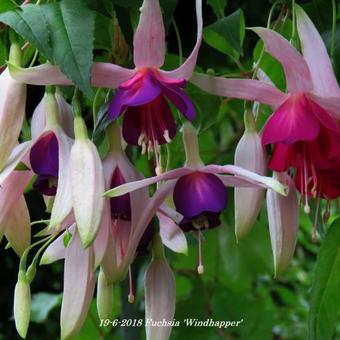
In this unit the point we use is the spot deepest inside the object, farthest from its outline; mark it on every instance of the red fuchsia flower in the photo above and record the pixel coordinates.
(199, 191)
(144, 93)
(303, 128)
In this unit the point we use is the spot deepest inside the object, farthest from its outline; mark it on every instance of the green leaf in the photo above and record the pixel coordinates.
(72, 33)
(7, 5)
(3, 53)
(42, 304)
(325, 295)
(218, 7)
(104, 33)
(227, 34)
(103, 7)
(31, 24)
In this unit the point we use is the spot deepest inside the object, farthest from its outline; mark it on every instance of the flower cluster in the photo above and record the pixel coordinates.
(101, 213)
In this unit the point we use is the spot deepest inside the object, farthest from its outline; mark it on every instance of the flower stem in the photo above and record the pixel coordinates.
(333, 29)
(179, 42)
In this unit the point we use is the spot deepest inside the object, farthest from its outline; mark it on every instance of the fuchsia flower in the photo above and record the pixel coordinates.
(144, 92)
(303, 129)
(198, 191)
(126, 218)
(48, 157)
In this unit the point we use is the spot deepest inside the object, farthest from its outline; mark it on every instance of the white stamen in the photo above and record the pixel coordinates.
(143, 148)
(131, 296)
(166, 136)
(200, 268)
(141, 139)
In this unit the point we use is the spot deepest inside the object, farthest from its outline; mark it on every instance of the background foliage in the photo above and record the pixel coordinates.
(238, 281)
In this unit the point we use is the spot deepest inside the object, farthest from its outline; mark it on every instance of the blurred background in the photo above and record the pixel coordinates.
(238, 282)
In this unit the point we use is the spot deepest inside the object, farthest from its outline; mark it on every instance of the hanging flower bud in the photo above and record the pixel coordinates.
(12, 108)
(87, 184)
(22, 305)
(160, 293)
(283, 217)
(104, 297)
(249, 155)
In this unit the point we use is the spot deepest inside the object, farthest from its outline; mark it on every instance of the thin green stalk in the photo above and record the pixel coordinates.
(23, 259)
(333, 28)
(293, 19)
(179, 42)
(258, 63)
(35, 56)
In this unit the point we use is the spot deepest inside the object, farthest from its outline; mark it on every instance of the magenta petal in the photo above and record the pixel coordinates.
(293, 121)
(151, 120)
(181, 100)
(199, 192)
(324, 117)
(140, 90)
(44, 156)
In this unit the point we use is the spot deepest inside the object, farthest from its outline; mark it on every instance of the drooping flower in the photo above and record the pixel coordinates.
(49, 153)
(199, 193)
(303, 129)
(143, 93)
(126, 218)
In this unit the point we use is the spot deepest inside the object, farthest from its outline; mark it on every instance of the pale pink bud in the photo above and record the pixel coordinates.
(87, 184)
(249, 155)
(283, 216)
(160, 294)
(104, 297)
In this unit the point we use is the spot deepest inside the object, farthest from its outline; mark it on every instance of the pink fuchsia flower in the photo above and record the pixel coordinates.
(126, 218)
(44, 147)
(143, 93)
(199, 191)
(308, 112)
